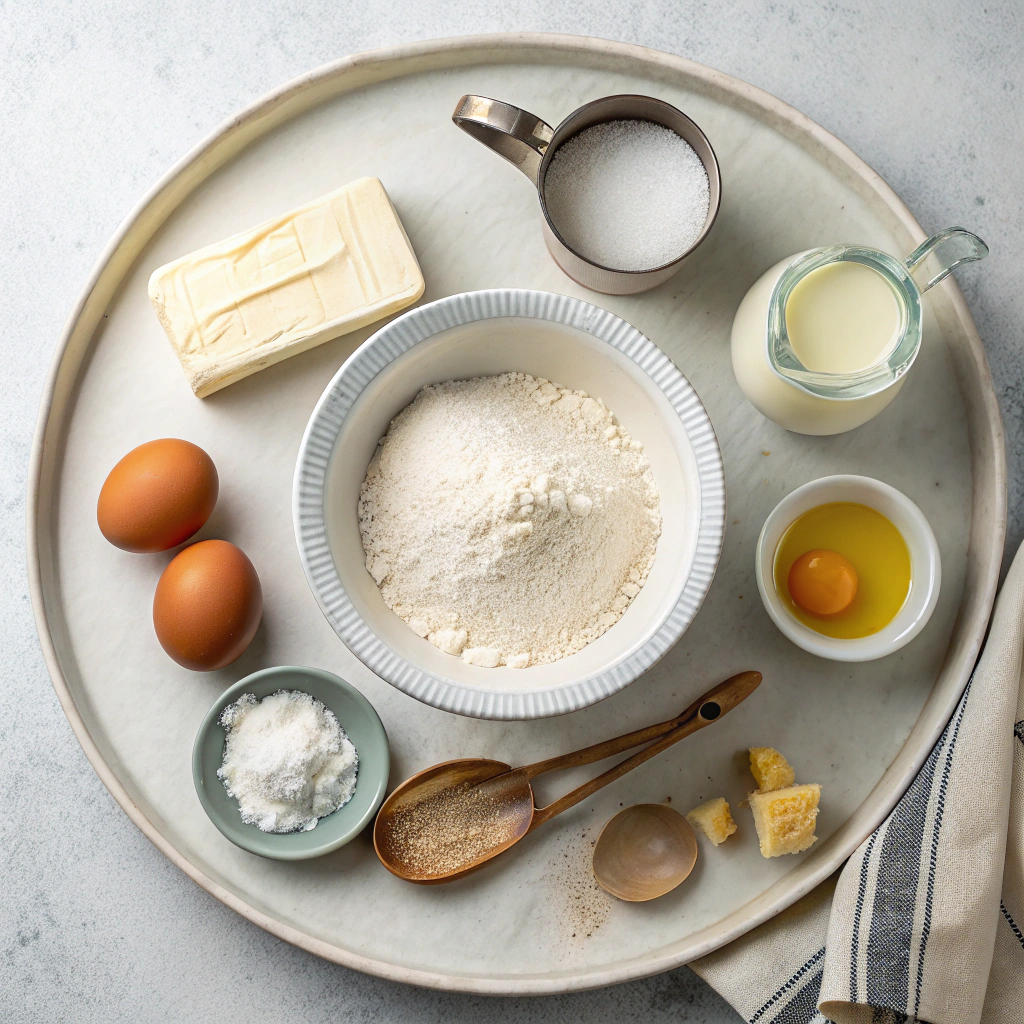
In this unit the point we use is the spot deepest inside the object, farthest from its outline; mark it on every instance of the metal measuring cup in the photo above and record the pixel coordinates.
(530, 144)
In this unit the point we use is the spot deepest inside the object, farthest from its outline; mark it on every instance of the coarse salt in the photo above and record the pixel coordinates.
(287, 760)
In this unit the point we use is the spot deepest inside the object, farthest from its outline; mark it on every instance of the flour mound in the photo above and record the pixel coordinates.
(507, 519)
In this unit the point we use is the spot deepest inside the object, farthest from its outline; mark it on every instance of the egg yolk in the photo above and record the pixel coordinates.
(823, 582)
(848, 595)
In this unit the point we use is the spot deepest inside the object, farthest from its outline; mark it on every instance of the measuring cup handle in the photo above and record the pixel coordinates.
(518, 136)
(950, 248)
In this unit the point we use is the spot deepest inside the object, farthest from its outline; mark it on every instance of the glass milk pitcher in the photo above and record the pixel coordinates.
(822, 342)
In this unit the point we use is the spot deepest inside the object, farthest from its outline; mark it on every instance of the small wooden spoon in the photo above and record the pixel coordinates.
(450, 819)
(644, 852)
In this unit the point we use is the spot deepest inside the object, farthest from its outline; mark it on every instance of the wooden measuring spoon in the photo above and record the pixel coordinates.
(450, 819)
(644, 852)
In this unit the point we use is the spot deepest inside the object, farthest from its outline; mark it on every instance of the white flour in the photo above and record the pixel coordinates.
(508, 520)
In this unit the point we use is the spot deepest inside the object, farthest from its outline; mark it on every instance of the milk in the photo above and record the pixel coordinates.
(842, 318)
(844, 322)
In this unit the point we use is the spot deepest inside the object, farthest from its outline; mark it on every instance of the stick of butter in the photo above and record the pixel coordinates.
(330, 267)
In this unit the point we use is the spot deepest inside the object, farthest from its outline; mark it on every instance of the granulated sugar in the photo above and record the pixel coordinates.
(629, 195)
(508, 520)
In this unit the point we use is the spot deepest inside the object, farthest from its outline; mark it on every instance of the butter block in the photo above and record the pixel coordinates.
(332, 266)
(785, 818)
(770, 769)
(714, 819)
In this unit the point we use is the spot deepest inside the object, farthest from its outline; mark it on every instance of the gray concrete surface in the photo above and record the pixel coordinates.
(96, 100)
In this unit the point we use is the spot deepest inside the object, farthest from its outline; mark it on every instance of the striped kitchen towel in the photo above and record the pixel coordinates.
(925, 922)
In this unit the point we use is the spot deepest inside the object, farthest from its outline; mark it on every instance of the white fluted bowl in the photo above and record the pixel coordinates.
(477, 334)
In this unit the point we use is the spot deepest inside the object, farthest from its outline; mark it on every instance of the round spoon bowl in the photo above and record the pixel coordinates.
(420, 832)
(644, 852)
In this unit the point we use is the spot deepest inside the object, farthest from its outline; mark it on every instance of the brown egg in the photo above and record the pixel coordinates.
(207, 605)
(157, 496)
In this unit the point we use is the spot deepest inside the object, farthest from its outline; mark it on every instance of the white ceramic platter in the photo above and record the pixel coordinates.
(531, 921)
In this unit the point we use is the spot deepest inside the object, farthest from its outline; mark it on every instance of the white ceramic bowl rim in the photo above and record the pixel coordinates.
(926, 566)
(325, 424)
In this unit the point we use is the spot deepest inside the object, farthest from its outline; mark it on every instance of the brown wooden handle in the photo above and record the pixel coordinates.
(740, 683)
(599, 751)
(718, 701)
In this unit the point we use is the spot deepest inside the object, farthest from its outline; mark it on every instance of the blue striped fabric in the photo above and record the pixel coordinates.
(798, 991)
(1014, 927)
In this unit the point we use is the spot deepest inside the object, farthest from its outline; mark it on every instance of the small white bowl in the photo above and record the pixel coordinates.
(925, 566)
(489, 332)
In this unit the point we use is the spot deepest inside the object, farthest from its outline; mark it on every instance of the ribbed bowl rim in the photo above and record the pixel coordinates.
(319, 440)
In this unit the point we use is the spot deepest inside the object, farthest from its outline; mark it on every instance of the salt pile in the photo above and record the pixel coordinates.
(629, 195)
(287, 760)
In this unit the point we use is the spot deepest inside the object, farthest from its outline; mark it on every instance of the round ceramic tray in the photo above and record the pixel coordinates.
(532, 921)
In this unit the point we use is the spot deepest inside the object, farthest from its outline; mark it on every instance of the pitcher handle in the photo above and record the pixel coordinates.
(950, 248)
(517, 135)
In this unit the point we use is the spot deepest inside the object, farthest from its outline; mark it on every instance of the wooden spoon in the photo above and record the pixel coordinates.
(450, 819)
(644, 852)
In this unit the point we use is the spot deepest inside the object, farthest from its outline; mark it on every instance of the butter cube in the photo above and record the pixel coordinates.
(770, 769)
(713, 819)
(332, 266)
(785, 818)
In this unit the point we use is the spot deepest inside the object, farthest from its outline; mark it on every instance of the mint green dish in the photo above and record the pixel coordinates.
(356, 716)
